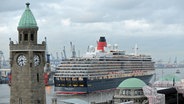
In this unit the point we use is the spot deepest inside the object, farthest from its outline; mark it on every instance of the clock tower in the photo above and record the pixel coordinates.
(27, 60)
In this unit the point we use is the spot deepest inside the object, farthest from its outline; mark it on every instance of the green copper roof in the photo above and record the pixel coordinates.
(27, 20)
(132, 83)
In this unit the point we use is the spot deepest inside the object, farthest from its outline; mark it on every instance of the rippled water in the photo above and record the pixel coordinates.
(97, 97)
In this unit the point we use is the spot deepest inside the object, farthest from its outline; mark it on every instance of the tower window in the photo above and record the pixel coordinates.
(32, 37)
(25, 37)
(20, 100)
(38, 77)
(31, 65)
(38, 101)
(20, 37)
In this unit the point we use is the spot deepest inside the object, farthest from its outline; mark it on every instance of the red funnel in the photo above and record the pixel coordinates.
(101, 44)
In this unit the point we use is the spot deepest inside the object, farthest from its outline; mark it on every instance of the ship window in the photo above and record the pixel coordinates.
(37, 77)
(81, 85)
(74, 79)
(62, 84)
(25, 37)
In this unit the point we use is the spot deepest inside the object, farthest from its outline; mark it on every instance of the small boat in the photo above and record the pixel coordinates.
(177, 71)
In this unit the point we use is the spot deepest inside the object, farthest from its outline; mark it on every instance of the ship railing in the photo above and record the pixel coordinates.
(131, 74)
(105, 75)
(93, 77)
(118, 75)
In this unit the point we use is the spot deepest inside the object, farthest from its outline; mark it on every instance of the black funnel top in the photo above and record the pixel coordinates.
(102, 39)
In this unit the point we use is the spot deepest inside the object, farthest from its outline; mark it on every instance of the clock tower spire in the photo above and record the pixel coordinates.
(27, 60)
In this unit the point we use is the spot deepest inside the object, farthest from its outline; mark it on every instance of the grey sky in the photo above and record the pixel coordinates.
(157, 26)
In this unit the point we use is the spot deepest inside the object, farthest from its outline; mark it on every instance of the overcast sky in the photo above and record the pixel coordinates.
(157, 26)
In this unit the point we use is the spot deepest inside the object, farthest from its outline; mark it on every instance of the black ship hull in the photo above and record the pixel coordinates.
(97, 85)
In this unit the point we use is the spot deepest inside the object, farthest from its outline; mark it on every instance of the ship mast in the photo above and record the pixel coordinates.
(73, 50)
(135, 50)
(64, 52)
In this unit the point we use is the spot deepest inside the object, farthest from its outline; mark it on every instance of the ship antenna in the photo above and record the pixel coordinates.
(71, 46)
(88, 49)
(10, 39)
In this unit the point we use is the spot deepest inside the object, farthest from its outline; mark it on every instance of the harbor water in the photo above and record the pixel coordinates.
(97, 96)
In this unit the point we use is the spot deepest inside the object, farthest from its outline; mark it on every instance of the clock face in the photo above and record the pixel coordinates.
(21, 60)
(36, 60)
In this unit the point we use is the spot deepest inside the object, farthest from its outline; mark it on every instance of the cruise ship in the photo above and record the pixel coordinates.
(102, 68)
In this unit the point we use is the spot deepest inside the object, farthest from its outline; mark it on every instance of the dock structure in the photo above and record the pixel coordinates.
(169, 89)
(130, 91)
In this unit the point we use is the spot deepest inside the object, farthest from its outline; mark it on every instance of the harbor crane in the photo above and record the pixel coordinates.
(2, 60)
